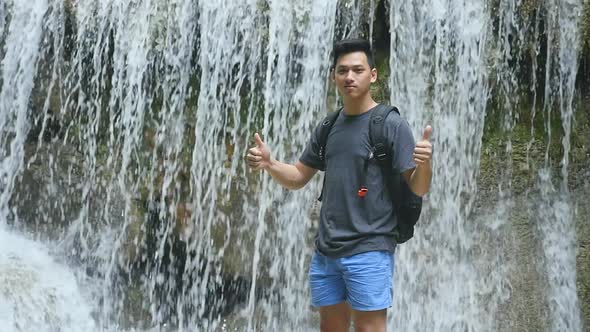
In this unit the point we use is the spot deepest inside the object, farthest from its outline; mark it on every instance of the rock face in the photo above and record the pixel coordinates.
(509, 170)
(580, 184)
(583, 259)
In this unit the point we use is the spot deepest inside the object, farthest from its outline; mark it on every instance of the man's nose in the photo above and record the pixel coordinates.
(349, 76)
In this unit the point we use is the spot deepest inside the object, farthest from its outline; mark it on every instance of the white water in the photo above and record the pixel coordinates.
(159, 101)
(556, 209)
(37, 293)
(440, 79)
(439, 67)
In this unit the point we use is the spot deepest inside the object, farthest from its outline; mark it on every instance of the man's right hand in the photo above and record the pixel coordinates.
(259, 156)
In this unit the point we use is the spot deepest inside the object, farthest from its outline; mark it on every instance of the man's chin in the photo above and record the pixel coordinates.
(353, 95)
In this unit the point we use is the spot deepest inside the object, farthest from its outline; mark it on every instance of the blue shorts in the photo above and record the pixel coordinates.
(364, 280)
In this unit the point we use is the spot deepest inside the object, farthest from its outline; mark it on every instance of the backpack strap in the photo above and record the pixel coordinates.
(407, 204)
(377, 137)
(381, 149)
(325, 128)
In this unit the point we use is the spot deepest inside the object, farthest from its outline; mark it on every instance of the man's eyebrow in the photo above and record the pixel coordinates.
(345, 66)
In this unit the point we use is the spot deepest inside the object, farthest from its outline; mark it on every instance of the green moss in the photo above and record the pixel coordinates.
(135, 233)
(380, 89)
(135, 310)
(585, 27)
(529, 8)
(584, 282)
(580, 144)
(583, 258)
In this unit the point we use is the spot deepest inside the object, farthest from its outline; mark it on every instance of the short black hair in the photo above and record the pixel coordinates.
(346, 46)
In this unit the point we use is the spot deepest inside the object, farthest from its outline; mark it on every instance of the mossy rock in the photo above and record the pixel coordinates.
(583, 276)
(583, 258)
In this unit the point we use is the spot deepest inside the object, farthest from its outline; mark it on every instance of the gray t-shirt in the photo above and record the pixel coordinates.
(350, 224)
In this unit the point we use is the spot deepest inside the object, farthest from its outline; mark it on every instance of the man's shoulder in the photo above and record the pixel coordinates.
(394, 117)
(396, 127)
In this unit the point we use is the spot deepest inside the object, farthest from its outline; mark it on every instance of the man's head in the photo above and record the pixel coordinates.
(347, 46)
(353, 67)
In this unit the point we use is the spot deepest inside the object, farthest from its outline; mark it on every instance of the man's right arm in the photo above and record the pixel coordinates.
(289, 176)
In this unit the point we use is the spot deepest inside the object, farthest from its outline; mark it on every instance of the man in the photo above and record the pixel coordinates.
(351, 273)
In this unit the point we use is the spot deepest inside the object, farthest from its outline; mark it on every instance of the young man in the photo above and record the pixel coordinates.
(351, 273)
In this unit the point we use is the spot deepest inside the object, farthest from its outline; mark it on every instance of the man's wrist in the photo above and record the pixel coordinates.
(425, 166)
(271, 164)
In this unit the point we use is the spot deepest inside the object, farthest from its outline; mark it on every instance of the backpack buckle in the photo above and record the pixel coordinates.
(380, 151)
(363, 192)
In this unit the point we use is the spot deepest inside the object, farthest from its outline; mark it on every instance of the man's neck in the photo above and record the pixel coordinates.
(358, 106)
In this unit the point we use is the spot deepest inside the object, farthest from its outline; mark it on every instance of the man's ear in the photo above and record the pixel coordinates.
(374, 75)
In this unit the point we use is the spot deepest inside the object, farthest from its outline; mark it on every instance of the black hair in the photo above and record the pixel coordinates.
(346, 46)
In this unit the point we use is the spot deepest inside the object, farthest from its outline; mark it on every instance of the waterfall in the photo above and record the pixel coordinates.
(555, 207)
(123, 130)
(37, 293)
(439, 78)
(19, 66)
(439, 62)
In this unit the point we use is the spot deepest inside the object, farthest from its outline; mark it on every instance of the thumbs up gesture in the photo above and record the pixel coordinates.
(259, 156)
(423, 149)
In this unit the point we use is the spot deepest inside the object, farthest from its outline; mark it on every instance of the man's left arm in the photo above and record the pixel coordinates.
(419, 178)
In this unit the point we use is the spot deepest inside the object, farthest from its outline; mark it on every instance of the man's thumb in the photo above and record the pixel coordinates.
(259, 141)
(427, 133)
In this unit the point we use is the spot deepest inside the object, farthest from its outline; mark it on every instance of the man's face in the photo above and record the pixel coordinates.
(353, 75)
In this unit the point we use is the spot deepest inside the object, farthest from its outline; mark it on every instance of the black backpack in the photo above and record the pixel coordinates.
(407, 205)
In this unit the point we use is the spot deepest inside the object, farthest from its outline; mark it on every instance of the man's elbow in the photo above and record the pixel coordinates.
(419, 191)
(298, 182)
(301, 178)
(296, 185)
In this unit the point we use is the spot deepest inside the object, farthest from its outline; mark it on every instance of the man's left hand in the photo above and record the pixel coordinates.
(423, 149)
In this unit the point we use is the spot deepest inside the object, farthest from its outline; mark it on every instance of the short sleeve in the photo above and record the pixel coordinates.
(403, 147)
(311, 155)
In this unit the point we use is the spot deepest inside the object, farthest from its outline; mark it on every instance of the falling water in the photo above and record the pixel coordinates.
(298, 101)
(555, 207)
(438, 53)
(124, 123)
(38, 294)
(19, 66)
(455, 266)
(2, 19)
